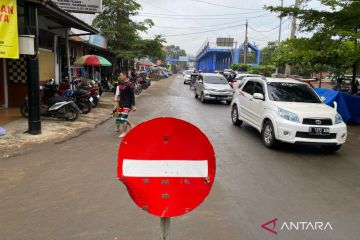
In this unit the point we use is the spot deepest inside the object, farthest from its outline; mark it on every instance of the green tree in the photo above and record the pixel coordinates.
(116, 25)
(240, 67)
(340, 23)
(173, 51)
(267, 52)
(152, 48)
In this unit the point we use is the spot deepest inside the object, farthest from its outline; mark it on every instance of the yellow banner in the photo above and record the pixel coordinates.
(9, 46)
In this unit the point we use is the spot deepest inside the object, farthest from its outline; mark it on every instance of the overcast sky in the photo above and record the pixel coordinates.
(188, 23)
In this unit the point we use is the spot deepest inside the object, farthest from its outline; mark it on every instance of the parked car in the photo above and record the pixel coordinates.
(229, 75)
(287, 110)
(240, 77)
(187, 76)
(211, 86)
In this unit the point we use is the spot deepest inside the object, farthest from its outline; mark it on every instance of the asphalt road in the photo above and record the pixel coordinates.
(69, 190)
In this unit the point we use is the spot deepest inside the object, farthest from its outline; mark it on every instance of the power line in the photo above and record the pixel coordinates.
(199, 15)
(204, 18)
(216, 25)
(157, 7)
(172, 27)
(220, 5)
(213, 30)
(265, 30)
(270, 29)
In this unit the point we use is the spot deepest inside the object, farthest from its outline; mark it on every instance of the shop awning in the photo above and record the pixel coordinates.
(51, 11)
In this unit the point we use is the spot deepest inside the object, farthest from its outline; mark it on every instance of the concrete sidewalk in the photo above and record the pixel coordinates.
(16, 141)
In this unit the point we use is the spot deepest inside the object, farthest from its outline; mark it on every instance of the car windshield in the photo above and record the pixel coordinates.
(215, 80)
(292, 92)
(188, 72)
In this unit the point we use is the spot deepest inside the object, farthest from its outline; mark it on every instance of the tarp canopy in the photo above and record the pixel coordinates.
(145, 62)
(348, 106)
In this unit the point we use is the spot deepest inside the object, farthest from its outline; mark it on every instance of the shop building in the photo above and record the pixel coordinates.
(54, 26)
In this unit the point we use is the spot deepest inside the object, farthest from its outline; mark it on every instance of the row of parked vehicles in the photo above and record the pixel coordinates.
(67, 100)
(141, 82)
(281, 109)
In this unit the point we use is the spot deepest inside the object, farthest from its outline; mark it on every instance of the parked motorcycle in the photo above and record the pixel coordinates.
(54, 106)
(137, 86)
(106, 85)
(144, 81)
(81, 97)
(95, 92)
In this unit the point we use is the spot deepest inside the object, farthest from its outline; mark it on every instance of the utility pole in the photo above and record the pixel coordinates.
(279, 39)
(292, 34)
(246, 43)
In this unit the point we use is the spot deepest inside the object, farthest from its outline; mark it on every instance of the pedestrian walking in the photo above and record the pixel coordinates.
(126, 98)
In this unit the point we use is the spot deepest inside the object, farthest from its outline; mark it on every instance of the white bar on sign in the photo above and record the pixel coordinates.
(165, 168)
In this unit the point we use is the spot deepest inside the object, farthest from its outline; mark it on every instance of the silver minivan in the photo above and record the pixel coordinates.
(211, 86)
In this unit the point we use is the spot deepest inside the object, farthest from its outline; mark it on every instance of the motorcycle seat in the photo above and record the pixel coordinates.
(56, 99)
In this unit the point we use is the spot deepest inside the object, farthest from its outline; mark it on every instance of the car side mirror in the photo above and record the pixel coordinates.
(259, 96)
(335, 105)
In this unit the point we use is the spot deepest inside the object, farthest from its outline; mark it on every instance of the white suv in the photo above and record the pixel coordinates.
(289, 111)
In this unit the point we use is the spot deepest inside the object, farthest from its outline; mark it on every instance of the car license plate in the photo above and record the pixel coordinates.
(91, 99)
(319, 131)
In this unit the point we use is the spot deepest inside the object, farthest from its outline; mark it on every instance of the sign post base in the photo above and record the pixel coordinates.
(164, 228)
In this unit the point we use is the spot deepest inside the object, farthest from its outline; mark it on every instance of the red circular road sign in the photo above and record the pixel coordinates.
(167, 165)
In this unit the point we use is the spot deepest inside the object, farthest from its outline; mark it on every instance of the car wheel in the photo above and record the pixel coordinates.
(235, 116)
(268, 135)
(184, 82)
(228, 102)
(196, 96)
(331, 149)
(202, 99)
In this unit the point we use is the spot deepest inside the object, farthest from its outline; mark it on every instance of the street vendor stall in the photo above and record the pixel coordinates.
(94, 61)
(348, 106)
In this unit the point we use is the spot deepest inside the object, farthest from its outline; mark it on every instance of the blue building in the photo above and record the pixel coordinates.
(210, 59)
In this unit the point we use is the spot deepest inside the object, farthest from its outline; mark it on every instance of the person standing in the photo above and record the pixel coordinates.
(127, 103)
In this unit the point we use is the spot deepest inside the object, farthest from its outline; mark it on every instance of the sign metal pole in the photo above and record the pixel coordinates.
(185, 171)
(33, 82)
(68, 54)
(164, 228)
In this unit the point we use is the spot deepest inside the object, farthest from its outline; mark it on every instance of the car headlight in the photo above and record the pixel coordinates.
(288, 115)
(338, 119)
